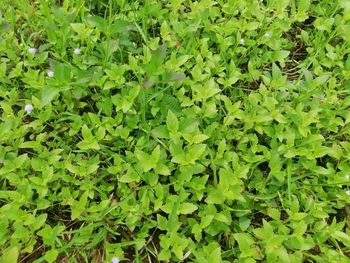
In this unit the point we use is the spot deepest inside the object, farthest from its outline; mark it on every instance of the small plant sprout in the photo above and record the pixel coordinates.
(77, 51)
(50, 73)
(28, 108)
(32, 50)
(216, 132)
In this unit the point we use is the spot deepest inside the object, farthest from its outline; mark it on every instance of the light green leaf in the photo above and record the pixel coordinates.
(172, 122)
(86, 132)
(48, 94)
(78, 207)
(130, 176)
(177, 153)
(51, 255)
(88, 144)
(194, 152)
(10, 255)
(146, 161)
(62, 73)
(342, 237)
(187, 208)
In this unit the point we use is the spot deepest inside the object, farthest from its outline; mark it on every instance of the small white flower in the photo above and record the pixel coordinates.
(50, 73)
(32, 50)
(28, 108)
(267, 34)
(242, 40)
(115, 260)
(347, 177)
(348, 192)
(77, 51)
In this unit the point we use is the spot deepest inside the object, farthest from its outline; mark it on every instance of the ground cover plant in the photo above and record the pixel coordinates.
(174, 131)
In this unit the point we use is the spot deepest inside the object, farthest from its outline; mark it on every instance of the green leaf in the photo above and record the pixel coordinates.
(146, 161)
(89, 141)
(194, 152)
(187, 208)
(162, 222)
(86, 132)
(130, 176)
(39, 221)
(49, 235)
(10, 255)
(215, 196)
(177, 153)
(162, 169)
(121, 26)
(2, 70)
(342, 237)
(196, 138)
(88, 145)
(172, 122)
(161, 132)
(78, 27)
(154, 68)
(62, 73)
(197, 231)
(188, 125)
(99, 23)
(101, 133)
(78, 207)
(215, 256)
(244, 240)
(206, 91)
(48, 94)
(51, 255)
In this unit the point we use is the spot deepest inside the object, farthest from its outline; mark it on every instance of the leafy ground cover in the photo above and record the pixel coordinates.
(174, 131)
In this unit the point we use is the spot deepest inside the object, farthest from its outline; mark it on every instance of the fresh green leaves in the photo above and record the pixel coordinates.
(172, 122)
(175, 131)
(146, 161)
(89, 141)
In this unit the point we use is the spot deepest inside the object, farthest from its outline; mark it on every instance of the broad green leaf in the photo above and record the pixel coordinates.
(78, 27)
(162, 222)
(86, 132)
(194, 152)
(39, 221)
(172, 122)
(62, 73)
(146, 161)
(10, 255)
(244, 240)
(208, 90)
(99, 23)
(78, 207)
(88, 145)
(177, 153)
(48, 94)
(161, 132)
(51, 255)
(187, 208)
(130, 176)
(215, 256)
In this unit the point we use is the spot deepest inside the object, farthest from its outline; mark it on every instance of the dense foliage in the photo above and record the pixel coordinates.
(174, 131)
